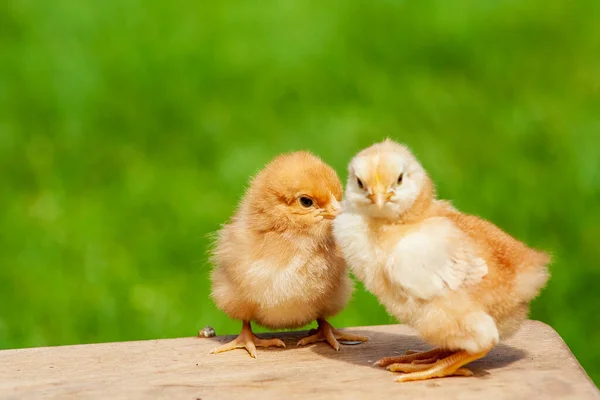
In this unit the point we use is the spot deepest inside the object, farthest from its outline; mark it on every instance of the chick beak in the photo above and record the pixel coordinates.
(330, 214)
(379, 197)
(332, 211)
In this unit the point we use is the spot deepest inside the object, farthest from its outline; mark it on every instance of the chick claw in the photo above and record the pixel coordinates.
(249, 341)
(327, 333)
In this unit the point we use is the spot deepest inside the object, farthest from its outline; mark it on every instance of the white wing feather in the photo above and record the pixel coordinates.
(434, 259)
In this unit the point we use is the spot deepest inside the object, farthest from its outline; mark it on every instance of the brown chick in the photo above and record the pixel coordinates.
(463, 283)
(276, 262)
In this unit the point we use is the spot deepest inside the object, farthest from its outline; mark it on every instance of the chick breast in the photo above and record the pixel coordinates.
(288, 287)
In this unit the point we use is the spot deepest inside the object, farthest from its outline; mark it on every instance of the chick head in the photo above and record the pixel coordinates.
(296, 192)
(385, 180)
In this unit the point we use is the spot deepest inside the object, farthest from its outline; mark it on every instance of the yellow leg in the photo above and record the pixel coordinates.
(327, 333)
(249, 341)
(414, 357)
(451, 365)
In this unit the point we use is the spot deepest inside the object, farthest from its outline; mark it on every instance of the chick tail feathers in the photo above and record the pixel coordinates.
(533, 275)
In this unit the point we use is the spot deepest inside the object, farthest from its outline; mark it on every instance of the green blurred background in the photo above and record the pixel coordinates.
(128, 130)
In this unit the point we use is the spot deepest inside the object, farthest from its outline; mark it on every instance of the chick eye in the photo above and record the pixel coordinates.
(306, 202)
(359, 183)
(400, 178)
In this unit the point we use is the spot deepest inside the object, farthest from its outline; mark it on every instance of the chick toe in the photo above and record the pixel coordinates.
(414, 357)
(426, 360)
(322, 335)
(275, 342)
(240, 342)
(249, 341)
(449, 366)
(406, 368)
(327, 333)
(463, 372)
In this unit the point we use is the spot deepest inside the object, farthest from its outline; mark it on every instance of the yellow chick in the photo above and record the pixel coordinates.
(276, 262)
(459, 280)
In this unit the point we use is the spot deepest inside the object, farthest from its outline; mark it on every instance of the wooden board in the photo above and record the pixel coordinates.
(535, 364)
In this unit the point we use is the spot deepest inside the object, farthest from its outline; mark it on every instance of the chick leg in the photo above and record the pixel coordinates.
(249, 341)
(327, 333)
(448, 366)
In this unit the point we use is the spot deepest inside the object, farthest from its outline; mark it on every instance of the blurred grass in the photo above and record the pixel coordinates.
(128, 130)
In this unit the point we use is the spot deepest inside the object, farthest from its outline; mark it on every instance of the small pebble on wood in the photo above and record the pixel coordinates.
(206, 332)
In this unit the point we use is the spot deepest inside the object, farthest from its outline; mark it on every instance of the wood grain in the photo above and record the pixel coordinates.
(535, 364)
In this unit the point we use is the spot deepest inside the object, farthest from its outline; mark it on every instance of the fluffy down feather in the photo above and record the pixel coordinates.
(276, 262)
(459, 280)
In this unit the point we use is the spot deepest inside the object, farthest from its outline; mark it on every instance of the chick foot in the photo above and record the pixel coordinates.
(249, 341)
(452, 365)
(327, 333)
(414, 357)
(409, 368)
